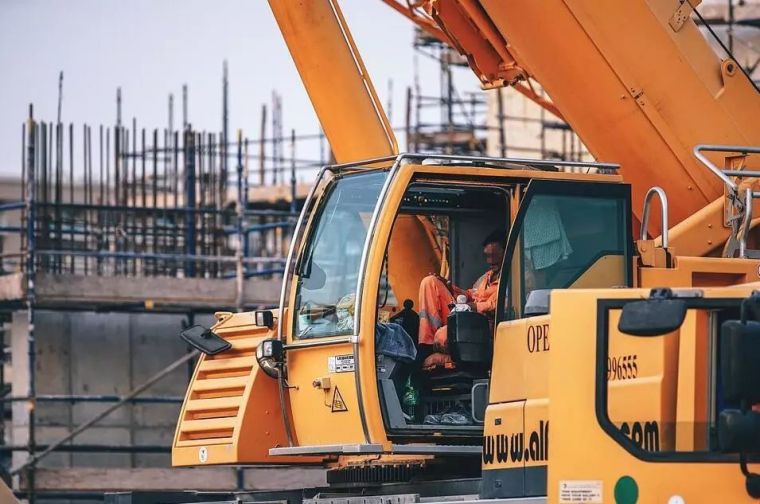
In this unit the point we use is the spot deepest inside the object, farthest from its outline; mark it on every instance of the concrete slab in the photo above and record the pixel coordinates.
(160, 293)
(205, 479)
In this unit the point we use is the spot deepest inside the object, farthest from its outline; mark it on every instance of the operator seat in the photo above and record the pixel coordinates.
(471, 349)
(470, 341)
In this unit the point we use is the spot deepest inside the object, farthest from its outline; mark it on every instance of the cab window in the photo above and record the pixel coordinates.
(329, 267)
(568, 241)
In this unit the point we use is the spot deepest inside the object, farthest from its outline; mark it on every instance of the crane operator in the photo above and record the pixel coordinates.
(437, 294)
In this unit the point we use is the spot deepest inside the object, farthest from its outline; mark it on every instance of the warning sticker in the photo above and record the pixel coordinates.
(580, 491)
(340, 364)
(338, 404)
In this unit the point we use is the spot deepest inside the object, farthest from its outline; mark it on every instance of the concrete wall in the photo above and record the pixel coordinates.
(106, 354)
(89, 353)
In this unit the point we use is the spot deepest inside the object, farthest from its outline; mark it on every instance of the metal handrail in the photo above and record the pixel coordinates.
(742, 207)
(660, 192)
(530, 163)
(746, 223)
(720, 173)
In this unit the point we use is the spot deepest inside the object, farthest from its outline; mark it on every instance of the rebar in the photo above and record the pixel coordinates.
(153, 198)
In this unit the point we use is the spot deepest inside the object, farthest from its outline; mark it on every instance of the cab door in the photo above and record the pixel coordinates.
(321, 365)
(565, 235)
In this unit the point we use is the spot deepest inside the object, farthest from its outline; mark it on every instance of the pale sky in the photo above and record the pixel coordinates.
(151, 47)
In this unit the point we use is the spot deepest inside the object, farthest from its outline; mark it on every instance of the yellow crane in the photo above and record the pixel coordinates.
(631, 354)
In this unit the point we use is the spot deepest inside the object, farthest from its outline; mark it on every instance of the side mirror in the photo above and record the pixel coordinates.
(270, 355)
(204, 340)
(658, 315)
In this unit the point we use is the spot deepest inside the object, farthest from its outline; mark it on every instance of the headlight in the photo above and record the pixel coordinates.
(269, 355)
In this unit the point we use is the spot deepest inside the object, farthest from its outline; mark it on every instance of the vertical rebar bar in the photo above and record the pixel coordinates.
(408, 120)
(85, 184)
(133, 200)
(58, 193)
(201, 236)
(214, 173)
(185, 122)
(30, 293)
(118, 106)
(293, 171)
(225, 118)
(72, 237)
(23, 188)
(170, 121)
(189, 154)
(154, 200)
(246, 173)
(143, 200)
(240, 274)
(101, 200)
(262, 146)
(43, 190)
(277, 154)
(502, 125)
(108, 225)
(60, 96)
(166, 161)
(117, 194)
(176, 218)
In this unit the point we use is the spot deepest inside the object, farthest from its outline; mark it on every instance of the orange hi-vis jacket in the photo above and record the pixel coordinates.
(435, 299)
(483, 292)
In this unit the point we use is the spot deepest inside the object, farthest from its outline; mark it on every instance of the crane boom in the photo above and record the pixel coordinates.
(335, 78)
(636, 80)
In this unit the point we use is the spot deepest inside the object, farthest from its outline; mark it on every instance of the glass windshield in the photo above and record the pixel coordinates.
(329, 268)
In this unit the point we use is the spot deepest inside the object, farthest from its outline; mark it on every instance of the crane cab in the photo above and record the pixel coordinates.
(354, 379)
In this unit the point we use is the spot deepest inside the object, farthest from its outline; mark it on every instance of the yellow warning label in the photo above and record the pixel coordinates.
(338, 404)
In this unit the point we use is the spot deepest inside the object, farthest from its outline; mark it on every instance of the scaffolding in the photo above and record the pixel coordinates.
(128, 220)
(498, 122)
(448, 122)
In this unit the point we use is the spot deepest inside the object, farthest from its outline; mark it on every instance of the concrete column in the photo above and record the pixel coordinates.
(19, 432)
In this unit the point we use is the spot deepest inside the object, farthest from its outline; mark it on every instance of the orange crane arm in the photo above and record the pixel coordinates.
(335, 78)
(414, 11)
(635, 79)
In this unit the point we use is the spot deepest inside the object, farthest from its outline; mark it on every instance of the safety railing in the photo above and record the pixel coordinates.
(740, 201)
(660, 193)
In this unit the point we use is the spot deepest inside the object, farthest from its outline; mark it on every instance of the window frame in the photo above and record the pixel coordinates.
(601, 403)
(543, 187)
